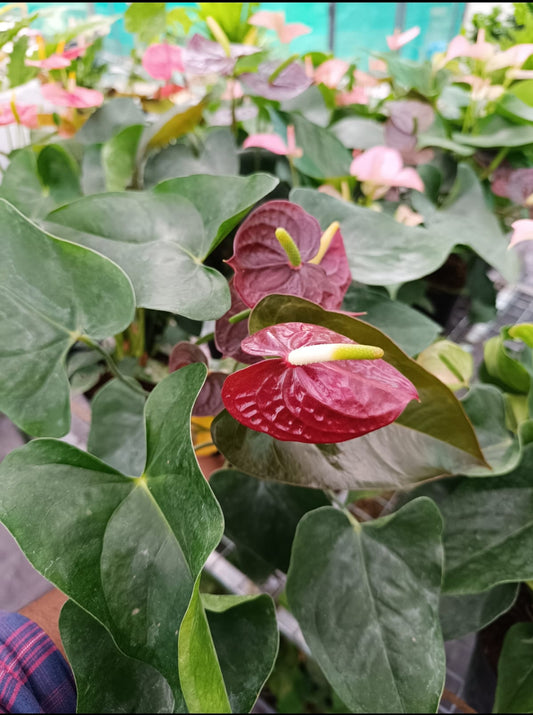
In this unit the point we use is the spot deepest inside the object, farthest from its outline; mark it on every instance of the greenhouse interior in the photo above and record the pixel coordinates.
(266, 357)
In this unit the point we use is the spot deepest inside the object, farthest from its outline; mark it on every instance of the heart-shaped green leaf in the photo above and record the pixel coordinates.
(160, 242)
(488, 530)
(52, 293)
(324, 157)
(107, 681)
(124, 549)
(222, 201)
(218, 155)
(380, 647)
(461, 615)
(109, 119)
(382, 251)
(228, 645)
(514, 693)
(23, 187)
(59, 172)
(438, 414)
(358, 132)
(411, 330)
(117, 434)
(261, 518)
(118, 157)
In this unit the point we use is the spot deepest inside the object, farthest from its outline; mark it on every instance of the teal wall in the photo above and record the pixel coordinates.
(359, 27)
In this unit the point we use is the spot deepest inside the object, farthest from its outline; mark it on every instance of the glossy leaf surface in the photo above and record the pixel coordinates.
(261, 517)
(122, 548)
(358, 132)
(488, 534)
(52, 292)
(407, 253)
(408, 328)
(379, 645)
(107, 681)
(324, 157)
(229, 642)
(222, 201)
(118, 157)
(110, 119)
(159, 241)
(461, 615)
(117, 434)
(514, 693)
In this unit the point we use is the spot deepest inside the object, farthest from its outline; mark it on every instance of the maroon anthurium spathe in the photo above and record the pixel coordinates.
(319, 387)
(289, 83)
(209, 401)
(202, 56)
(280, 248)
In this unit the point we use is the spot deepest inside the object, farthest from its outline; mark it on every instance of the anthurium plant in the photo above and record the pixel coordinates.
(239, 253)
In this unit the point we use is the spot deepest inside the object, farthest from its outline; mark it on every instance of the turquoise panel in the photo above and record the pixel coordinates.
(361, 28)
(439, 22)
(313, 14)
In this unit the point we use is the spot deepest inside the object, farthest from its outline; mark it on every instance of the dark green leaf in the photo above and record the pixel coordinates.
(310, 104)
(411, 330)
(488, 534)
(358, 132)
(415, 75)
(324, 157)
(107, 681)
(514, 693)
(222, 201)
(117, 428)
(461, 615)
(511, 106)
(111, 118)
(118, 157)
(52, 292)
(160, 242)
(380, 647)
(134, 552)
(92, 171)
(22, 186)
(217, 156)
(261, 517)
(60, 173)
(496, 132)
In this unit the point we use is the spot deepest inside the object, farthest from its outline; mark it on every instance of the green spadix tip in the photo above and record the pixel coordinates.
(333, 351)
(289, 246)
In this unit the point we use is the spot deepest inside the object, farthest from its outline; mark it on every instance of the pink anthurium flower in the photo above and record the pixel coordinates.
(161, 60)
(331, 72)
(25, 114)
(276, 21)
(318, 386)
(381, 167)
(74, 97)
(209, 401)
(289, 83)
(280, 248)
(59, 60)
(363, 79)
(202, 56)
(407, 118)
(357, 95)
(522, 231)
(233, 90)
(399, 39)
(275, 144)
(479, 50)
(513, 57)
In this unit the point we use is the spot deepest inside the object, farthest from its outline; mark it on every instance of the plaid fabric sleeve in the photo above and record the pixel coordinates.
(34, 676)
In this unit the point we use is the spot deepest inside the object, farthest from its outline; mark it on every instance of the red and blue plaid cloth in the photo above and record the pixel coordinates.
(34, 676)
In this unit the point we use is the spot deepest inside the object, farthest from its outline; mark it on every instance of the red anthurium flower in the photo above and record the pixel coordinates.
(160, 61)
(320, 387)
(280, 248)
(209, 401)
(291, 81)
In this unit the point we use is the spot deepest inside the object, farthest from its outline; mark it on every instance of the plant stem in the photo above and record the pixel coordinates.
(294, 173)
(198, 447)
(495, 163)
(111, 364)
(205, 339)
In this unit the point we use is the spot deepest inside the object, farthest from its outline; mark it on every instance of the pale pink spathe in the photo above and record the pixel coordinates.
(399, 39)
(75, 97)
(276, 21)
(382, 166)
(522, 231)
(27, 115)
(161, 60)
(331, 72)
(275, 144)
